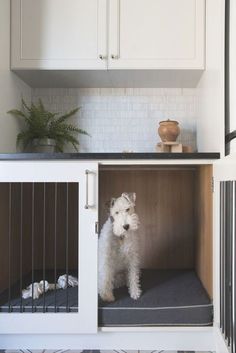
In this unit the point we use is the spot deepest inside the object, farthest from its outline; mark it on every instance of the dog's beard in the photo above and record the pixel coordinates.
(118, 223)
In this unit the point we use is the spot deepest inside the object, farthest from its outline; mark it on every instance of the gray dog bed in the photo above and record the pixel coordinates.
(170, 297)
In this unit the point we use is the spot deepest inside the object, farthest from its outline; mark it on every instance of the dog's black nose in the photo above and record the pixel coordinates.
(126, 226)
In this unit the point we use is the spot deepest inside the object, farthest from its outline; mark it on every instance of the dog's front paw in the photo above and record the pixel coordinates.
(135, 294)
(108, 297)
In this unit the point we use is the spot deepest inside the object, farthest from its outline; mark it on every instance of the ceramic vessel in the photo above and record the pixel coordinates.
(45, 145)
(168, 130)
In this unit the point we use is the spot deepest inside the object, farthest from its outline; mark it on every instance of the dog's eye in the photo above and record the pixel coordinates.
(127, 210)
(117, 212)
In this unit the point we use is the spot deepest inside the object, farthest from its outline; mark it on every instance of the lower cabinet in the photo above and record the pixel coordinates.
(50, 216)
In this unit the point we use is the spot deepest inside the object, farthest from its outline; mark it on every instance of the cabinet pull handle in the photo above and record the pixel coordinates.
(102, 57)
(114, 57)
(87, 206)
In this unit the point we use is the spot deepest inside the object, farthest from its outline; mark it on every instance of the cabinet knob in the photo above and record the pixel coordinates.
(102, 57)
(114, 57)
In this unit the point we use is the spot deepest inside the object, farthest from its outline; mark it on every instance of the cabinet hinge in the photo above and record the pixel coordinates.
(96, 227)
(212, 184)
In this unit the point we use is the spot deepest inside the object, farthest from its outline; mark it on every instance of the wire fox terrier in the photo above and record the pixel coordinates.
(119, 250)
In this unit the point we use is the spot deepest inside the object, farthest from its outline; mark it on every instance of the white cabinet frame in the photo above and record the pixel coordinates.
(118, 24)
(85, 321)
(20, 60)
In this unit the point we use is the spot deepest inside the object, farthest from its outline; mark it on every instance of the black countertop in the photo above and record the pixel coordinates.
(105, 156)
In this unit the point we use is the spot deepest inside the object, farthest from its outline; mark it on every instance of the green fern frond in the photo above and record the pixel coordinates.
(41, 123)
(67, 115)
(17, 113)
(25, 106)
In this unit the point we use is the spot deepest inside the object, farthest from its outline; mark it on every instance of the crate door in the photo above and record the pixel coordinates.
(225, 251)
(47, 237)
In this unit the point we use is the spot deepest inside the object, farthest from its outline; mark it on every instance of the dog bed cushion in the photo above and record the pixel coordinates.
(170, 297)
(60, 300)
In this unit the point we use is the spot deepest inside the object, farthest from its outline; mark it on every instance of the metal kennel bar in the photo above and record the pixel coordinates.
(55, 247)
(32, 249)
(233, 344)
(44, 242)
(227, 262)
(21, 245)
(222, 255)
(9, 246)
(67, 245)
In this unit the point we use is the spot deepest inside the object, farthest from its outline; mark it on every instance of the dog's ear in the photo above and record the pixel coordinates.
(130, 196)
(110, 203)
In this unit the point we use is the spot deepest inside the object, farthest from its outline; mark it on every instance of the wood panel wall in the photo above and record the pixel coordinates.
(204, 231)
(55, 242)
(165, 205)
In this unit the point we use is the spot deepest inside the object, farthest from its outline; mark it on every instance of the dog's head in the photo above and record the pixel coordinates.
(122, 213)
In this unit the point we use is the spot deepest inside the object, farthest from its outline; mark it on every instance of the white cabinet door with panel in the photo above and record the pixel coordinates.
(58, 34)
(156, 34)
(48, 231)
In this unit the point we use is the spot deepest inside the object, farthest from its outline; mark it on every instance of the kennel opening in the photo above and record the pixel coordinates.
(38, 242)
(174, 204)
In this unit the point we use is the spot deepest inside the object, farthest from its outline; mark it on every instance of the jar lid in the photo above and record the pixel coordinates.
(169, 121)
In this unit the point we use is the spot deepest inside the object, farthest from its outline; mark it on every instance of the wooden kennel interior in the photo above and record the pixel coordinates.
(174, 204)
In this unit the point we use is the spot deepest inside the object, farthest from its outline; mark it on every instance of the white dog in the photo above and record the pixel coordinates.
(118, 249)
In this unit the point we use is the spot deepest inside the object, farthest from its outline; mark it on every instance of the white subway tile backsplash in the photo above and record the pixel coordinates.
(124, 118)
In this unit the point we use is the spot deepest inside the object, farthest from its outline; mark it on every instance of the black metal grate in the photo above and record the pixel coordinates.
(227, 262)
(39, 241)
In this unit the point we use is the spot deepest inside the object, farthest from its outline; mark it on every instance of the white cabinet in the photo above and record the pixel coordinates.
(113, 34)
(50, 177)
(156, 34)
(60, 330)
(58, 34)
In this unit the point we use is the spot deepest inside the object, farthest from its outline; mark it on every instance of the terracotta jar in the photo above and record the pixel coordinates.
(168, 130)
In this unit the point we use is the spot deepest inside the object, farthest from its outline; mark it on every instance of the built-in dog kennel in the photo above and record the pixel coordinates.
(39, 242)
(174, 204)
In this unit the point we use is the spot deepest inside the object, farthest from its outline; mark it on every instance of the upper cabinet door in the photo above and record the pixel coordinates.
(59, 34)
(157, 34)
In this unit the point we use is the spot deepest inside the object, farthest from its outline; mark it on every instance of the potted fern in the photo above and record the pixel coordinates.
(46, 131)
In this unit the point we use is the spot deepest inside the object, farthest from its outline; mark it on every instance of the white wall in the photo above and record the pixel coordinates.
(11, 87)
(210, 125)
(121, 119)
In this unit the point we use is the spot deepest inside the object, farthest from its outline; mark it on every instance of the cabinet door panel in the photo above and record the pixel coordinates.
(157, 33)
(58, 33)
(48, 230)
